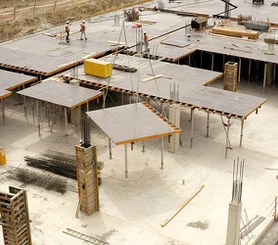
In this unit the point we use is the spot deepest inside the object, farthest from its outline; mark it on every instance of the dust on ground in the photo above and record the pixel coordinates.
(199, 225)
(44, 21)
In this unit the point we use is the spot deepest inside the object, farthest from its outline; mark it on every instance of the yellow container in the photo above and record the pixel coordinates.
(98, 68)
(2, 156)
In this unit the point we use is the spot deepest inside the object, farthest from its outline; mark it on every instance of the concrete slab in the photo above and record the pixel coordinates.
(137, 122)
(4, 93)
(10, 80)
(188, 82)
(58, 93)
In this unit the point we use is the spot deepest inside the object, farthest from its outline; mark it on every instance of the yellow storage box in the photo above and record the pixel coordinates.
(98, 68)
(2, 157)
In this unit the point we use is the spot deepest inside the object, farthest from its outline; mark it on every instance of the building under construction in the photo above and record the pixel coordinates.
(159, 127)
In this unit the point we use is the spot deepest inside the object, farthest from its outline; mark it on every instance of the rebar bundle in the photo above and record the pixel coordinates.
(45, 181)
(55, 162)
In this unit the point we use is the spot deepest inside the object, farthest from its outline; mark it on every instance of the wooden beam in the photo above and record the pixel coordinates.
(181, 207)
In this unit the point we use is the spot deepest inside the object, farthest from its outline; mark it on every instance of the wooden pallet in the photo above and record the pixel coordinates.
(15, 217)
(87, 179)
(230, 76)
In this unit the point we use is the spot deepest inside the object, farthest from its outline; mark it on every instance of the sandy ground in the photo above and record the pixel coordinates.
(132, 209)
(44, 21)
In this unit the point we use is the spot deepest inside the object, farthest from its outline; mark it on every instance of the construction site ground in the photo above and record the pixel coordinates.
(132, 209)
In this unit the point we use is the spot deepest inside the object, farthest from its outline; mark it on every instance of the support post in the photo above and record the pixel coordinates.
(110, 149)
(249, 70)
(207, 135)
(52, 118)
(143, 146)
(39, 117)
(126, 167)
(162, 148)
(3, 110)
(239, 70)
(174, 117)
(227, 138)
(274, 75)
(212, 61)
(24, 102)
(265, 75)
(241, 132)
(66, 120)
(191, 128)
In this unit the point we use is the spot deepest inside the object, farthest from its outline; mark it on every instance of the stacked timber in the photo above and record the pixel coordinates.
(235, 32)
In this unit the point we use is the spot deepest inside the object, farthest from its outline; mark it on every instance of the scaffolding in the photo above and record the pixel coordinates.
(15, 217)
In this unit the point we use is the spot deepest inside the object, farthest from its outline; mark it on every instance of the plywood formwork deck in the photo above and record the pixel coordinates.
(137, 122)
(4, 93)
(47, 53)
(188, 81)
(10, 80)
(58, 93)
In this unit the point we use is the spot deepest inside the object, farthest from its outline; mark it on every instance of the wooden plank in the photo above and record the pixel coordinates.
(182, 206)
(235, 32)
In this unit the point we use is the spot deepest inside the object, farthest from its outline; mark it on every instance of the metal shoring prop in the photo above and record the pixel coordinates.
(239, 70)
(48, 114)
(110, 148)
(201, 59)
(126, 166)
(38, 116)
(66, 120)
(162, 147)
(226, 130)
(191, 128)
(33, 111)
(212, 61)
(274, 75)
(249, 70)
(265, 72)
(24, 102)
(52, 118)
(207, 135)
(3, 110)
(241, 132)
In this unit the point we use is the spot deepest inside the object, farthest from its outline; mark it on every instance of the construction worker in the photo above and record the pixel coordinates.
(67, 30)
(82, 30)
(146, 41)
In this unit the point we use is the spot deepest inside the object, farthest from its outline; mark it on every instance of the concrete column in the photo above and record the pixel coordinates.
(233, 229)
(174, 117)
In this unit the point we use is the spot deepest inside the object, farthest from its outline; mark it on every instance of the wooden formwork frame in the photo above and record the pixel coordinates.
(15, 217)
(87, 179)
